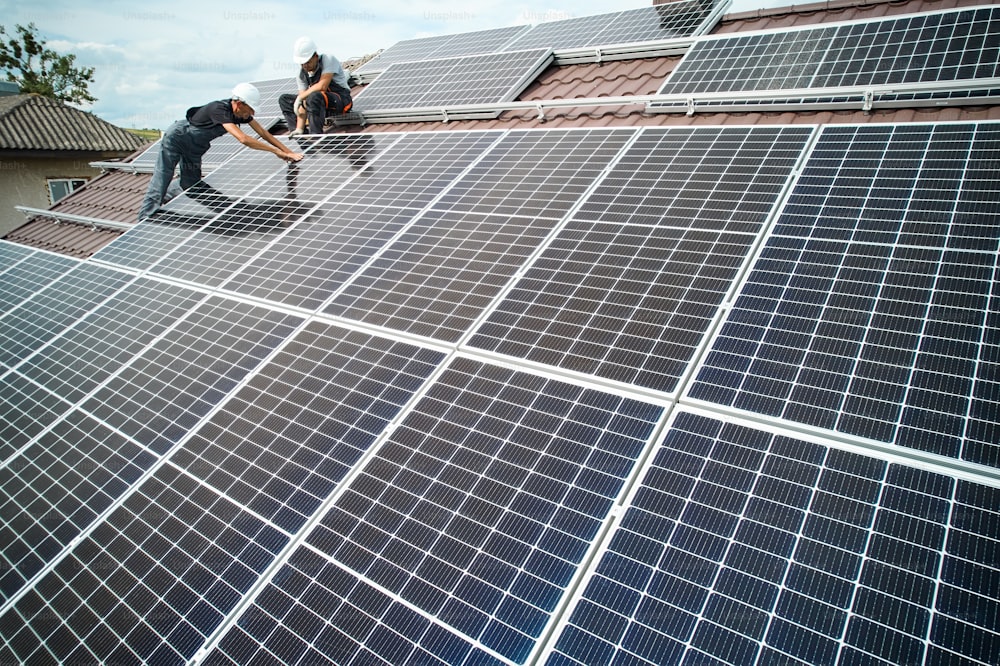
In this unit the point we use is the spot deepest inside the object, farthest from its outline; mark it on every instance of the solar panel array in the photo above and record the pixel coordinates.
(416, 88)
(441, 46)
(870, 311)
(646, 395)
(953, 49)
(644, 26)
(673, 20)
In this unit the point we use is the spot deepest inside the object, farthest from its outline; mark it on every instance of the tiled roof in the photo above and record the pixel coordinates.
(34, 122)
(68, 238)
(114, 196)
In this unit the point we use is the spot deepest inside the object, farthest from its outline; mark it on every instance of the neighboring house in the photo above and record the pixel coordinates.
(46, 148)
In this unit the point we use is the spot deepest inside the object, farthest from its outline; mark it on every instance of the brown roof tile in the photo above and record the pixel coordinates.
(114, 195)
(69, 238)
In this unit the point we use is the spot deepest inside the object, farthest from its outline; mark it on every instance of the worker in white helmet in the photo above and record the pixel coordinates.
(323, 90)
(187, 140)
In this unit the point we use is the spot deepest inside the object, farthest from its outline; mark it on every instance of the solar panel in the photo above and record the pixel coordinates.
(329, 162)
(743, 546)
(108, 337)
(25, 411)
(476, 511)
(206, 525)
(954, 46)
(11, 254)
(48, 312)
(317, 256)
(378, 435)
(440, 275)
(412, 90)
(629, 286)
(867, 310)
(268, 111)
(71, 474)
(29, 273)
(441, 46)
(195, 209)
(164, 392)
(664, 22)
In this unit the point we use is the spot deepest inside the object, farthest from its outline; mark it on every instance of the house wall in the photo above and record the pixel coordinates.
(23, 183)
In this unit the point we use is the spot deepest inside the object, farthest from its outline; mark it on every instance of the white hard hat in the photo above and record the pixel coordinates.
(248, 94)
(303, 50)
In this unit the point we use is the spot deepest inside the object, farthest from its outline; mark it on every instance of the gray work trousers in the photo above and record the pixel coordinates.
(181, 144)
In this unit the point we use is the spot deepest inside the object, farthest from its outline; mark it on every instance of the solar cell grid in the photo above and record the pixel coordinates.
(294, 430)
(949, 46)
(817, 554)
(434, 84)
(442, 46)
(50, 311)
(447, 267)
(564, 34)
(414, 170)
(481, 505)
(25, 410)
(25, 278)
(148, 241)
(480, 41)
(334, 618)
(535, 173)
(627, 288)
(224, 245)
(267, 110)
(11, 254)
(441, 273)
(864, 323)
(163, 393)
(407, 50)
(55, 488)
(101, 343)
(647, 24)
(329, 162)
(317, 256)
(150, 583)
(660, 22)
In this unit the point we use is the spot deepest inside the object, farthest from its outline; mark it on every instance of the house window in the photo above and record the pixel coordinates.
(61, 187)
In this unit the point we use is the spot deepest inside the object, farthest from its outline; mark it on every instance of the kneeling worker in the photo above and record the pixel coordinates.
(323, 90)
(187, 140)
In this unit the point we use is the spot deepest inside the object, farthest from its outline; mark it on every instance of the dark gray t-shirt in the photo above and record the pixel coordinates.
(327, 63)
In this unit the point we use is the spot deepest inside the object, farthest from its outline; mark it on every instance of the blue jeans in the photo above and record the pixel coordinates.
(181, 144)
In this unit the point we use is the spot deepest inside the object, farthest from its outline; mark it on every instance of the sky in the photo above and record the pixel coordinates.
(153, 60)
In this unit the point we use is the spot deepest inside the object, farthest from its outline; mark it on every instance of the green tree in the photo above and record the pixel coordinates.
(37, 69)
